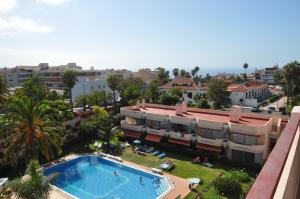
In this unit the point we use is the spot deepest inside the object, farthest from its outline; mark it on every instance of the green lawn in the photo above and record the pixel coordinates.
(185, 169)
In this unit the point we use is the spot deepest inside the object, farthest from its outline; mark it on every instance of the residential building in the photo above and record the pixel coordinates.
(146, 74)
(266, 75)
(187, 85)
(251, 93)
(240, 136)
(87, 85)
(280, 175)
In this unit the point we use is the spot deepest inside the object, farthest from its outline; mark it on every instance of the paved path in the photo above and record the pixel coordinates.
(279, 103)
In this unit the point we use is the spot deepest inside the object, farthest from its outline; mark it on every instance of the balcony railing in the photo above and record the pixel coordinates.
(279, 178)
(247, 148)
(161, 132)
(215, 142)
(139, 128)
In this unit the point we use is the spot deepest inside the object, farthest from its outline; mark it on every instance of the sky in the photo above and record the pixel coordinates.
(216, 35)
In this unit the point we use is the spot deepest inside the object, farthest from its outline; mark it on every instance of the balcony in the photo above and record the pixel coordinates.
(139, 128)
(215, 142)
(161, 132)
(182, 120)
(181, 136)
(279, 177)
(247, 148)
(132, 113)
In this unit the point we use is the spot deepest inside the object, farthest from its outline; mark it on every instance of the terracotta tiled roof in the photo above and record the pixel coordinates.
(183, 83)
(244, 87)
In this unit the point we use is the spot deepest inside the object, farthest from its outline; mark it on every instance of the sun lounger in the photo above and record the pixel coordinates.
(142, 153)
(167, 166)
(162, 155)
(155, 153)
(155, 170)
(196, 160)
(150, 150)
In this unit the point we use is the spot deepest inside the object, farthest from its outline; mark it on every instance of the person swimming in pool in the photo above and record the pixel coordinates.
(141, 179)
(116, 173)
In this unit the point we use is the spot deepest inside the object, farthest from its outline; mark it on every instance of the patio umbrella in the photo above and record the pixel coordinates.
(136, 142)
(194, 180)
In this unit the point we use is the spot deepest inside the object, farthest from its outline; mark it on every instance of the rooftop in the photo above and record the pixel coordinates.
(183, 83)
(204, 114)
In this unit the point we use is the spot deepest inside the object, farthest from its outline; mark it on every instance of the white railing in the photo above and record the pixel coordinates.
(132, 113)
(178, 135)
(161, 132)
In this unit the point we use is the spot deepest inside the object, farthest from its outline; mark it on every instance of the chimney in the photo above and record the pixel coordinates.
(184, 107)
(138, 105)
(235, 115)
(178, 109)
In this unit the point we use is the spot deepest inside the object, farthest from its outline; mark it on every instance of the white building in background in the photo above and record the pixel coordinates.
(266, 75)
(87, 85)
(251, 93)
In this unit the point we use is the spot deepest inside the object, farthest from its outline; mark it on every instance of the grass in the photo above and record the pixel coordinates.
(186, 169)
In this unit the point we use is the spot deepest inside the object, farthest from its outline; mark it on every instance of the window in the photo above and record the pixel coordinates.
(190, 95)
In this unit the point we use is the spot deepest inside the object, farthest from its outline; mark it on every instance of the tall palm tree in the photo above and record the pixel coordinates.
(69, 79)
(245, 66)
(175, 72)
(195, 71)
(291, 78)
(31, 128)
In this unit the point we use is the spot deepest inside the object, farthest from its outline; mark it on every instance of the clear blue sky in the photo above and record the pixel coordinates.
(217, 35)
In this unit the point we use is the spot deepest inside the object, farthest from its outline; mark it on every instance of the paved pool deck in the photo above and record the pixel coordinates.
(181, 185)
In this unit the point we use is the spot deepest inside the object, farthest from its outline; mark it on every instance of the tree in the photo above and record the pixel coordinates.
(182, 73)
(278, 77)
(168, 99)
(291, 78)
(175, 72)
(217, 92)
(195, 71)
(245, 66)
(131, 94)
(34, 184)
(82, 100)
(153, 91)
(3, 90)
(99, 98)
(34, 88)
(32, 128)
(114, 84)
(69, 79)
(176, 92)
(228, 186)
(162, 76)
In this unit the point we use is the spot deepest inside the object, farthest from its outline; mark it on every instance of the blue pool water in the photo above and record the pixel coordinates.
(92, 177)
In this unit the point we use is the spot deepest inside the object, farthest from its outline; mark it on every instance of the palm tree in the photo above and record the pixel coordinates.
(99, 98)
(82, 100)
(34, 184)
(182, 73)
(195, 71)
(245, 66)
(291, 78)
(3, 90)
(175, 72)
(31, 128)
(114, 83)
(69, 79)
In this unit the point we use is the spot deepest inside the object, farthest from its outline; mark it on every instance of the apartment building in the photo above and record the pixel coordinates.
(86, 85)
(266, 75)
(146, 74)
(241, 136)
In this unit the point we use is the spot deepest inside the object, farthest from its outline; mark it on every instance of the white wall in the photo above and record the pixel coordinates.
(84, 86)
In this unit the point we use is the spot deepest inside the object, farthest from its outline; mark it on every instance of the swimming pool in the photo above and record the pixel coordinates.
(93, 177)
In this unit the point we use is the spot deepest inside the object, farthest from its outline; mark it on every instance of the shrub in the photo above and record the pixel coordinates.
(241, 176)
(228, 186)
(273, 98)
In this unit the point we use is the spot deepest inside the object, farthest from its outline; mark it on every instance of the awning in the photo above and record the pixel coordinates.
(180, 142)
(133, 134)
(208, 147)
(153, 138)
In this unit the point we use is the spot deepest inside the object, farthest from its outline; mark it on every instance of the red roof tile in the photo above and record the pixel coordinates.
(183, 83)
(153, 138)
